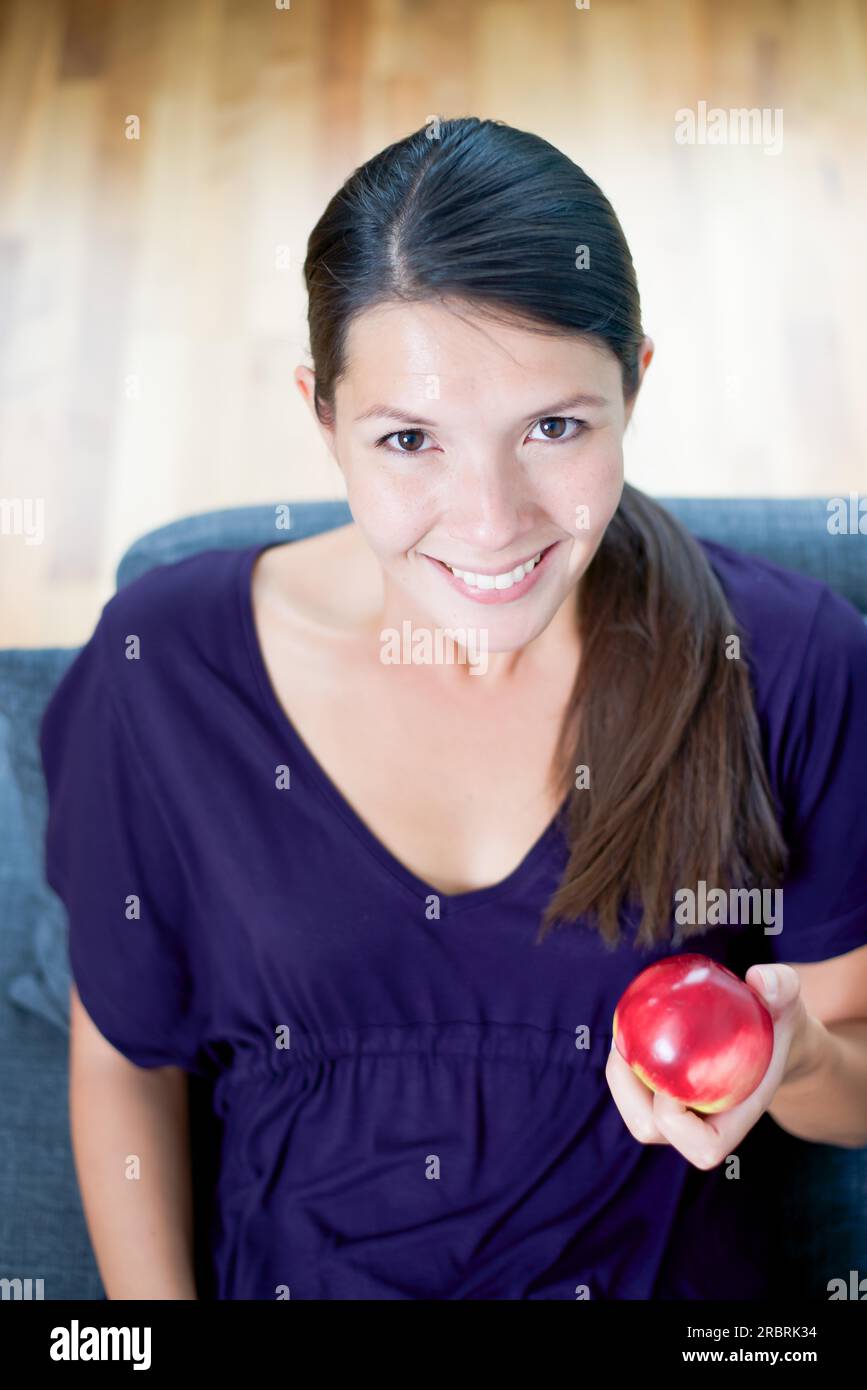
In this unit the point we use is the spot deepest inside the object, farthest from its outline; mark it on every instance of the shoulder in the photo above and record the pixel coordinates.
(153, 642)
(178, 639)
(322, 585)
(792, 622)
(807, 656)
(175, 598)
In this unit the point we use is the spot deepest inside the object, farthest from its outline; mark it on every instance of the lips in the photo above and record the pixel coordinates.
(503, 569)
(498, 595)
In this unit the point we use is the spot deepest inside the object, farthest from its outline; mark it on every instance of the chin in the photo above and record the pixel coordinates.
(505, 630)
(512, 636)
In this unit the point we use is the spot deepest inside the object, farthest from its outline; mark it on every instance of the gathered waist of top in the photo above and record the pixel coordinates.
(507, 1042)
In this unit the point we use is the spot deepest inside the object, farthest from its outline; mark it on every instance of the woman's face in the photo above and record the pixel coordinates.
(467, 445)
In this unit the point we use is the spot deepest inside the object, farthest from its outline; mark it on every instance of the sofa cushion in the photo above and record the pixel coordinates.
(42, 1229)
(31, 910)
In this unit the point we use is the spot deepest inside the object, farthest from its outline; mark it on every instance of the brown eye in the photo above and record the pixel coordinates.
(555, 427)
(409, 442)
(559, 423)
(405, 438)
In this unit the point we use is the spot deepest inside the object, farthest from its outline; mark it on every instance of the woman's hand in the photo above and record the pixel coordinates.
(707, 1139)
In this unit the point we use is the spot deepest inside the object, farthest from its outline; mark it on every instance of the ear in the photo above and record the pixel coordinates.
(645, 357)
(305, 380)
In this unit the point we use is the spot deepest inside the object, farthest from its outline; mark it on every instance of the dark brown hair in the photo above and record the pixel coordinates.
(663, 718)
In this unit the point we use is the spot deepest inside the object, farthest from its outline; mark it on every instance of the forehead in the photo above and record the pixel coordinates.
(407, 353)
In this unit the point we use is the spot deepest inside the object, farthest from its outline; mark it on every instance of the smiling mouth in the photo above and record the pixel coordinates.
(503, 579)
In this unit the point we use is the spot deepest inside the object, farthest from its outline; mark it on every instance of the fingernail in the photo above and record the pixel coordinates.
(769, 980)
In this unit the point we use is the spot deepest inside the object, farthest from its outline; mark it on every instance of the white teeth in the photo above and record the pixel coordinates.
(497, 581)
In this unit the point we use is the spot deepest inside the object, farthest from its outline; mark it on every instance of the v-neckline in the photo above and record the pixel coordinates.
(515, 880)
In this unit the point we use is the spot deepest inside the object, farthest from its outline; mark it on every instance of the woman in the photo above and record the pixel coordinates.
(386, 907)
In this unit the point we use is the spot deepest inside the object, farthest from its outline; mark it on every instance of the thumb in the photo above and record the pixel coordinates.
(778, 985)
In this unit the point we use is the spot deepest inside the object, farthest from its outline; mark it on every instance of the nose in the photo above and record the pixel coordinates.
(486, 507)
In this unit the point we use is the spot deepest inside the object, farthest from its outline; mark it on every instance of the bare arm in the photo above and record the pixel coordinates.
(141, 1227)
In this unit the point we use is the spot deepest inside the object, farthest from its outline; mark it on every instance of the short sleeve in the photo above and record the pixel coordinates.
(110, 858)
(824, 897)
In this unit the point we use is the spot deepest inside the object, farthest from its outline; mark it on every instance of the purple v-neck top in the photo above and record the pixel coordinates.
(402, 1104)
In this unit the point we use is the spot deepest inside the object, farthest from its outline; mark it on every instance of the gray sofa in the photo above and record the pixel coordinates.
(817, 1193)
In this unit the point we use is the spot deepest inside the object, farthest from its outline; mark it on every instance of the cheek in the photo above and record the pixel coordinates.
(582, 493)
(393, 512)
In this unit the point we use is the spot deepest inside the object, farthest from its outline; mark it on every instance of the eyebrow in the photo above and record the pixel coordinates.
(392, 412)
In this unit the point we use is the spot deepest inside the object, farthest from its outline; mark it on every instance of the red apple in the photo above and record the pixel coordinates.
(692, 1029)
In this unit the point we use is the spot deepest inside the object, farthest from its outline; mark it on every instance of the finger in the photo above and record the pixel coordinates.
(706, 1139)
(634, 1100)
(701, 1139)
(731, 1125)
(777, 985)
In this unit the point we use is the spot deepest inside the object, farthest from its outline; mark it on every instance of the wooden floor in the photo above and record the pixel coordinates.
(147, 337)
